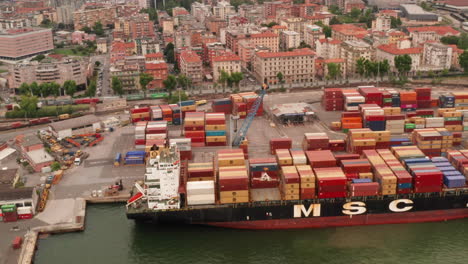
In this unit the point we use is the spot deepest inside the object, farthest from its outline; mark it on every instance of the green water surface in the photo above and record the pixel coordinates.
(111, 238)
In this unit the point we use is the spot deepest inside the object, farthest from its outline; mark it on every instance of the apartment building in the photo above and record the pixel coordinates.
(352, 50)
(345, 32)
(289, 40)
(437, 56)
(328, 48)
(296, 66)
(312, 33)
(90, 14)
(120, 50)
(200, 11)
(267, 39)
(78, 37)
(382, 23)
(228, 62)
(18, 44)
(420, 35)
(49, 70)
(159, 71)
(191, 66)
(390, 51)
(223, 9)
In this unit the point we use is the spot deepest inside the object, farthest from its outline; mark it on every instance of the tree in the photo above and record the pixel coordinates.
(450, 40)
(280, 77)
(98, 29)
(395, 22)
(69, 87)
(183, 81)
(39, 58)
(327, 31)
(87, 29)
(335, 21)
(91, 91)
(34, 87)
(46, 23)
(384, 67)
(61, 26)
(44, 89)
(97, 63)
(463, 41)
(145, 79)
(117, 86)
(304, 45)
(355, 12)
(334, 71)
(169, 52)
(463, 60)
(170, 83)
(54, 89)
(334, 9)
(29, 105)
(361, 66)
(153, 14)
(55, 166)
(237, 77)
(173, 99)
(223, 79)
(403, 64)
(24, 89)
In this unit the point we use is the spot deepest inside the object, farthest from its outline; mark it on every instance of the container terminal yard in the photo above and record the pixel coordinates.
(299, 138)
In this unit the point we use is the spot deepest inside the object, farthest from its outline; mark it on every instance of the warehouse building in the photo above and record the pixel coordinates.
(75, 126)
(416, 13)
(24, 198)
(32, 149)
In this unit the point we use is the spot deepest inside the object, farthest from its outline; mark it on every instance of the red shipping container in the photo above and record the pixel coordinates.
(190, 134)
(321, 158)
(256, 183)
(323, 195)
(139, 110)
(307, 193)
(140, 141)
(186, 155)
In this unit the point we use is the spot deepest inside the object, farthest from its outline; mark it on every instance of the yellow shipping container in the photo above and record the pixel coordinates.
(236, 193)
(366, 175)
(201, 179)
(215, 139)
(229, 200)
(291, 197)
(307, 185)
(215, 127)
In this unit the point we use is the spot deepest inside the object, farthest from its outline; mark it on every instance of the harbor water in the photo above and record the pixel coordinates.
(111, 238)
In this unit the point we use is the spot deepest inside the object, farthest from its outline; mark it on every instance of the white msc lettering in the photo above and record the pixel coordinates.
(300, 209)
(393, 206)
(354, 208)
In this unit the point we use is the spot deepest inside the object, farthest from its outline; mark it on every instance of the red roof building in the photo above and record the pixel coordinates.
(159, 71)
(348, 32)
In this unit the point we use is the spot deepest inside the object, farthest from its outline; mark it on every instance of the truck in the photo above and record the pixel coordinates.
(77, 161)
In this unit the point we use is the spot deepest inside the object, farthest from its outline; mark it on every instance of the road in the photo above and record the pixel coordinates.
(105, 62)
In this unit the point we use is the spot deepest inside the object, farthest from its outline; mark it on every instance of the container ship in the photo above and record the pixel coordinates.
(302, 188)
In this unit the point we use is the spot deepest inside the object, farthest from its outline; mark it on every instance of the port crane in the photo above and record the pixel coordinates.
(242, 131)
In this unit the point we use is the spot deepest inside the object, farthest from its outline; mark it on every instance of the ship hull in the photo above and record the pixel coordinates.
(316, 213)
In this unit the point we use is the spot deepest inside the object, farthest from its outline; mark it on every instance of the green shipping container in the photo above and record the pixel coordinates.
(8, 208)
(387, 100)
(410, 125)
(158, 95)
(345, 130)
(465, 128)
(453, 119)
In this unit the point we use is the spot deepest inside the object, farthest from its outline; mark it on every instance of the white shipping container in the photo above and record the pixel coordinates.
(200, 187)
(200, 199)
(355, 99)
(138, 136)
(156, 136)
(374, 112)
(420, 126)
(24, 210)
(351, 108)
(319, 134)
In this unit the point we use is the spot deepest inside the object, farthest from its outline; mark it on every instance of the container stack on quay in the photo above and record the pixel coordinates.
(458, 100)
(242, 103)
(279, 143)
(215, 129)
(332, 99)
(166, 113)
(156, 134)
(290, 182)
(423, 97)
(194, 128)
(408, 101)
(373, 116)
(233, 178)
(176, 114)
(187, 107)
(9, 213)
(184, 145)
(394, 120)
(315, 141)
(352, 99)
(283, 157)
(136, 157)
(156, 113)
(223, 105)
(140, 135)
(264, 173)
(140, 114)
